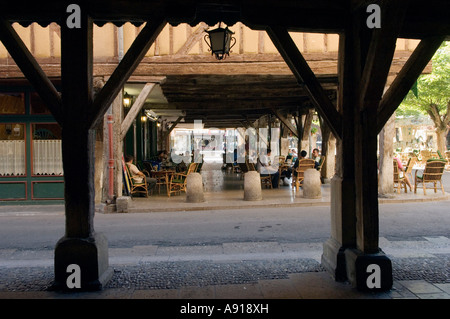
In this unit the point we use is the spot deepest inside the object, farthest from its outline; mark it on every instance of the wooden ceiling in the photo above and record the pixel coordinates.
(223, 101)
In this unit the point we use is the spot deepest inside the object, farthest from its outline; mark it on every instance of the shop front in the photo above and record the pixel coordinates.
(31, 168)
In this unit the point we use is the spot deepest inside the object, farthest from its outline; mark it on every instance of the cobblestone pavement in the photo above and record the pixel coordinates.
(420, 268)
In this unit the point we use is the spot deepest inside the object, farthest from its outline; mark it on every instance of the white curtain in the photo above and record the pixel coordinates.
(12, 158)
(47, 157)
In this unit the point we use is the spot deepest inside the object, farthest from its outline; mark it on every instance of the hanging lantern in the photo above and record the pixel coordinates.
(220, 42)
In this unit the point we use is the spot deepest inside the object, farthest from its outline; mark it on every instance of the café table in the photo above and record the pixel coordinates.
(162, 178)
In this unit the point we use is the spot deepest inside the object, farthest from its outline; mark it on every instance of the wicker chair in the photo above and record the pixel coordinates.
(177, 181)
(399, 178)
(299, 172)
(135, 187)
(432, 174)
(425, 155)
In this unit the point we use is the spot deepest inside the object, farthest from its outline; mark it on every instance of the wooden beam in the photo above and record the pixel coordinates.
(174, 124)
(285, 121)
(406, 78)
(193, 39)
(298, 65)
(135, 109)
(31, 69)
(381, 52)
(78, 139)
(126, 67)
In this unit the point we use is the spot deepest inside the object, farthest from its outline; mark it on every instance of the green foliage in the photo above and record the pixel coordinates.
(432, 88)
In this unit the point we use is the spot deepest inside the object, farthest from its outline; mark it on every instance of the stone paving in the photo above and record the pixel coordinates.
(235, 270)
(261, 270)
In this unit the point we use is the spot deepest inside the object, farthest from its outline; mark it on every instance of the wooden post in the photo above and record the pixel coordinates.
(80, 245)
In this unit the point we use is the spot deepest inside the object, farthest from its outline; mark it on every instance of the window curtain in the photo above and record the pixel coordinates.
(12, 158)
(47, 157)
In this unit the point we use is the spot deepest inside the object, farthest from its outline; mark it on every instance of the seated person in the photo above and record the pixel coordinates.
(137, 175)
(265, 169)
(302, 156)
(316, 157)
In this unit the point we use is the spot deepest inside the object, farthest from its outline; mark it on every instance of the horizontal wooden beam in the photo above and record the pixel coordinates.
(31, 69)
(406, 78)
(298, 65)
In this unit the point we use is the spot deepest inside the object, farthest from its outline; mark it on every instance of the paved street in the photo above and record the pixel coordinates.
(194, 254)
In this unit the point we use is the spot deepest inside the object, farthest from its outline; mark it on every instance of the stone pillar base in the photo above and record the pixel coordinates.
(368, 272)
(333, 260)
(312, 186)
(90, 254)
(122, 204)
(252, 186)
(194, 188)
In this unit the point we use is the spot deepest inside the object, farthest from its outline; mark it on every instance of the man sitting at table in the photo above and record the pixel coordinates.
(137, 175)
(266, 169)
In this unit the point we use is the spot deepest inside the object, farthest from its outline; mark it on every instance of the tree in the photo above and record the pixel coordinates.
(433, 96)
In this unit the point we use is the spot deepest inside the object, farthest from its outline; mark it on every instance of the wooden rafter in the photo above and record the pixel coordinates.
(135, 109)
(298, 65)
(192, 40)
(381, 51)
(174, 124)
(285, 121)
(126, 67)
(31, 69)
(406, 78)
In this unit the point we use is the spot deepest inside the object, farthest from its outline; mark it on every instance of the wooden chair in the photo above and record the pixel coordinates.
(425, 155)
(299, 172)
(251, 166)
(409, 167)
(399, 178)
(177, 182)
(432, 174)
(266, 180)
(135, 187)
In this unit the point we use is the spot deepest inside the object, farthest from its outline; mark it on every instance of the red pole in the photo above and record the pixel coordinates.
(110, 121)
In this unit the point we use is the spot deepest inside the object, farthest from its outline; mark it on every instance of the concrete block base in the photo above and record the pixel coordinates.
(368, 272)
(90, 254)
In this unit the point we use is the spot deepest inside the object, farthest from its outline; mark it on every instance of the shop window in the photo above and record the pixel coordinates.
(12, 103)
(47, 149)
(12, 149)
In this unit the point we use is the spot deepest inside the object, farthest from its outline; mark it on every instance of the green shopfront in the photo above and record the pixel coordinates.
(31, 168)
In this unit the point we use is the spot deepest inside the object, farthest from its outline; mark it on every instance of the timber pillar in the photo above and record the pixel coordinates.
(81, 255)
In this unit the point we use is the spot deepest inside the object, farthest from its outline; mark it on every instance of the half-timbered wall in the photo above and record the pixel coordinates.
(184, 44)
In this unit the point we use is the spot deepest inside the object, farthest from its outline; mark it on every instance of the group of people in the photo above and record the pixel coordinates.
(265, 168)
